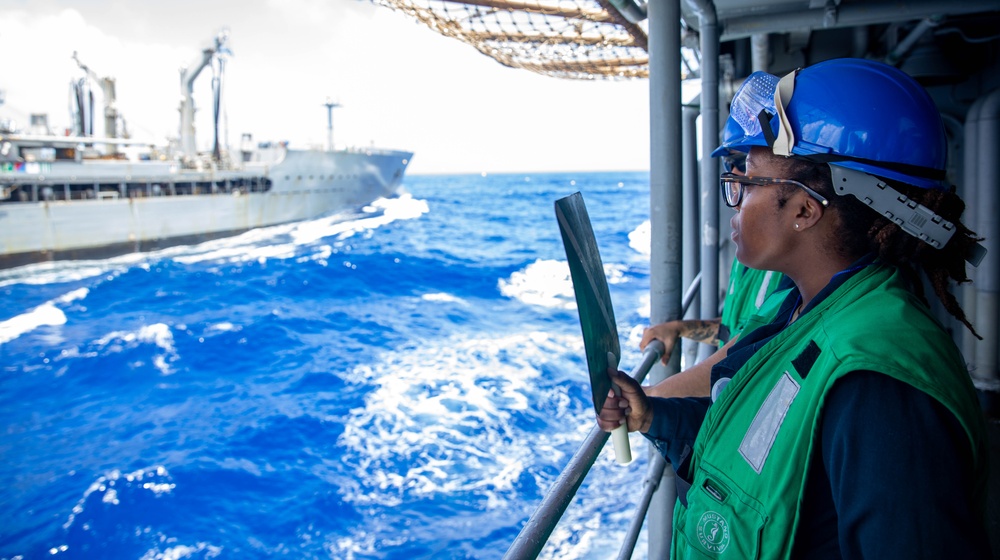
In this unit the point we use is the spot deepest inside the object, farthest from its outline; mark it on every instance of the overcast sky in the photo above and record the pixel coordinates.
(400, 84)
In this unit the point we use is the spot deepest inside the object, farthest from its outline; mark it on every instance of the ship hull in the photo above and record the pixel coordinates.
(125, 214)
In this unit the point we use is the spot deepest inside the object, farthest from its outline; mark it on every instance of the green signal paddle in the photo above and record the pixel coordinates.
(593, 301)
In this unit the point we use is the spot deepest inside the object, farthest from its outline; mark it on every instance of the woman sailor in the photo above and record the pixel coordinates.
(845, 423)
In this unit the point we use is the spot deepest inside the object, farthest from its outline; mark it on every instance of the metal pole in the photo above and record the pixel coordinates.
(330, 106)
(968, 189)
(987, 174)
(665, 202)
(708, 30)
(649, 486)
(691, 220)
(654, 474)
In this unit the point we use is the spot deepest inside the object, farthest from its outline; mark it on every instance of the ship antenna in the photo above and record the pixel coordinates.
(330, 106)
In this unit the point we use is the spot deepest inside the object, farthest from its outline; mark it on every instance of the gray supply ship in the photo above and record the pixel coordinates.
(79, 196)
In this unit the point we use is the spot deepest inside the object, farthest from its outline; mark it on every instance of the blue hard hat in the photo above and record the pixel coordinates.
(860, 114)
(733, 137)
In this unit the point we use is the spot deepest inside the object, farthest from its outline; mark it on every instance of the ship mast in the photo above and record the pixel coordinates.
(107, 84)
(330, 106)
(188, 76)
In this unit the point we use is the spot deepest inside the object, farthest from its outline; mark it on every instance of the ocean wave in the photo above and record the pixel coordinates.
(176, 552)
(257, 245)
(397, 406)
(59, 272)
(286, 241)
(443, 298)
(106, 489)
(113, 501)
(547, 283)
(48, 313)
(640, 239)
(158, 334)
(412, 436)
(484, 422)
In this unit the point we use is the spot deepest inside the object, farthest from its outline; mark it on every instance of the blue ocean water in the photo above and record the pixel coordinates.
(406, 381)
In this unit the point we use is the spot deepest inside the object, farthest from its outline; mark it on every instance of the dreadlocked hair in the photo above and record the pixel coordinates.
(864, 231)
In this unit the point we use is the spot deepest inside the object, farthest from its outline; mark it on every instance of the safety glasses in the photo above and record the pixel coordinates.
(733, 187)
(735, 162)
(762, 97)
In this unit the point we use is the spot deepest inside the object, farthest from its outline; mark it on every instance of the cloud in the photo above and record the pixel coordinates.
(400, 84)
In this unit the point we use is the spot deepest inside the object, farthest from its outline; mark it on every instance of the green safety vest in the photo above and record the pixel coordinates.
(748, 289)
(749, 462)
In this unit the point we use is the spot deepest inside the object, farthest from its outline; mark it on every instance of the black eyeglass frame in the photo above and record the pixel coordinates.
(742, 180)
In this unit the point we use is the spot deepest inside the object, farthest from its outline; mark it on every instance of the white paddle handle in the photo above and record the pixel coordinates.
(619, 436)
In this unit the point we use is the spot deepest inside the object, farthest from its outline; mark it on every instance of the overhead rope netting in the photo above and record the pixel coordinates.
(581, 39)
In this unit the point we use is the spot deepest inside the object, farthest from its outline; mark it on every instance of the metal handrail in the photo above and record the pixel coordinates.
(656, 464)
(536, 531)
(653, 475)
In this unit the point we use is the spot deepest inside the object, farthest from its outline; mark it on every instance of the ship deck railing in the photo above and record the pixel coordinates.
(536, 532)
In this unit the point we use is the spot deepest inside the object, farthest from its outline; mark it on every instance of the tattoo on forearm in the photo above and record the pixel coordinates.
(702, 331)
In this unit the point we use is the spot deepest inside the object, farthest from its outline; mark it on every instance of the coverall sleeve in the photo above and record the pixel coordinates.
(900, 469)
(675, 426)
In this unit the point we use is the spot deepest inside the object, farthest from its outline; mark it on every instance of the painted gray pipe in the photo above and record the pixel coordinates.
(664, 167)
(899, 53)
(986, 123)
(708, 30)
(654, 477)
(760, 51)
(967, 189)
(665, 222)
(691, 220)
(658, 472)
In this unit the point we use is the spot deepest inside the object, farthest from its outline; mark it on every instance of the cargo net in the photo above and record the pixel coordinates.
(576, 39)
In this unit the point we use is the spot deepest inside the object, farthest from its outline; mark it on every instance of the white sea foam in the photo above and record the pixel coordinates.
(441, 421)
(412, 437)
(386, 210)
(640, 239)
(284, 241)
(223, 327)
(202, 550)
(272, 242)
(68, 271)
(155, 480)
(443, 298)
(48, 313)
(547, 283)
(644, 305)
(157, 333)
